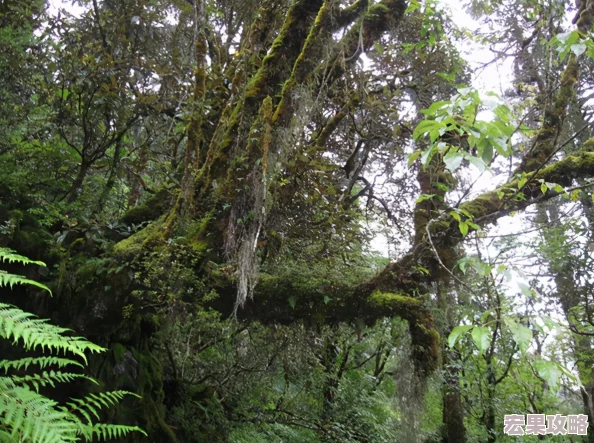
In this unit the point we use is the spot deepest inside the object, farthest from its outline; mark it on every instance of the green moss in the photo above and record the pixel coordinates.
(398, 303)
(86, 271)
(378, 9)
(151, 209)
(588, 145)
(143, 239)
(425, 339)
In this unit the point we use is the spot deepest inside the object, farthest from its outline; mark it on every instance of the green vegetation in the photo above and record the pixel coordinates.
(294, 221)
(25, 413)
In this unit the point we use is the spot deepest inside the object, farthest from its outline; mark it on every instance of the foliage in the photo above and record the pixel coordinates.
(209, 183)
(25, 413)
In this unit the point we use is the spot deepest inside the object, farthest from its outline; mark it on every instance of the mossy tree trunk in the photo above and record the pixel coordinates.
(227, 171)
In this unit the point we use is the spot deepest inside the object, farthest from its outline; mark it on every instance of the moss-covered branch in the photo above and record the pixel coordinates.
(282, 301)
(378, 19)
(554, 116)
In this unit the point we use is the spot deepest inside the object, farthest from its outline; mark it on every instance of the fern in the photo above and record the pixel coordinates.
(103, 431)
(40, 362)
(25, 414)
(10, 256)
(18, 325)
(7, 279)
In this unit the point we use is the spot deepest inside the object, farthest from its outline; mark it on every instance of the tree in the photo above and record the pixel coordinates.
(298, 123)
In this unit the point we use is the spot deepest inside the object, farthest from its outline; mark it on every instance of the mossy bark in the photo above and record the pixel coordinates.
(281, 301)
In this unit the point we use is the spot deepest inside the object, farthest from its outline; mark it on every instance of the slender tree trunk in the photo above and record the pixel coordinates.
(453, 412)
(111, 179)
(76, 188)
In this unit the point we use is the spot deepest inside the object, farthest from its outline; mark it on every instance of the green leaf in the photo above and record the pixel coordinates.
(412, 157)
(427, 155)
(481, 336)
(424, 127)
(424, 197)
(414, 5)
(521, 335)
(456, 332)
(292, 301)
(575, 195)
(550, 371)
(477, 162)
(462, 263)
(473, 225)
(456, 216)
(487, 154)
(453, 160)
(550, 323)
(578, 48)
(463, 226)
(525, 289)
(568, 37)
(63, 94)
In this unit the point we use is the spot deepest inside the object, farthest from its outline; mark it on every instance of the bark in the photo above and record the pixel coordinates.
(453, 412)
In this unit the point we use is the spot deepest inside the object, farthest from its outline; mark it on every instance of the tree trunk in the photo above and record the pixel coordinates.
(76, 187)
(453, 411)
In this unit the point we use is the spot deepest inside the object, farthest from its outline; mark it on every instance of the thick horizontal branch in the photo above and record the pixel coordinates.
(282, 301)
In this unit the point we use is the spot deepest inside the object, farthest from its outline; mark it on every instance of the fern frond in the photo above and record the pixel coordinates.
(94, 402)
(10, 256)
(31, 417)
(39, 362)
(10, 280)
(26, 415)
(16, 325)
(106, 431)
(49, 378)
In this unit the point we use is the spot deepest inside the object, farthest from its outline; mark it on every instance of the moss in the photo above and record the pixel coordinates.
(396, 305)
(86, 272)
(143, 239)
(484, 204)
(151, 209)
(553, 119)
(588, 145)
(425, 339)
(378, 10)
(77, 243)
